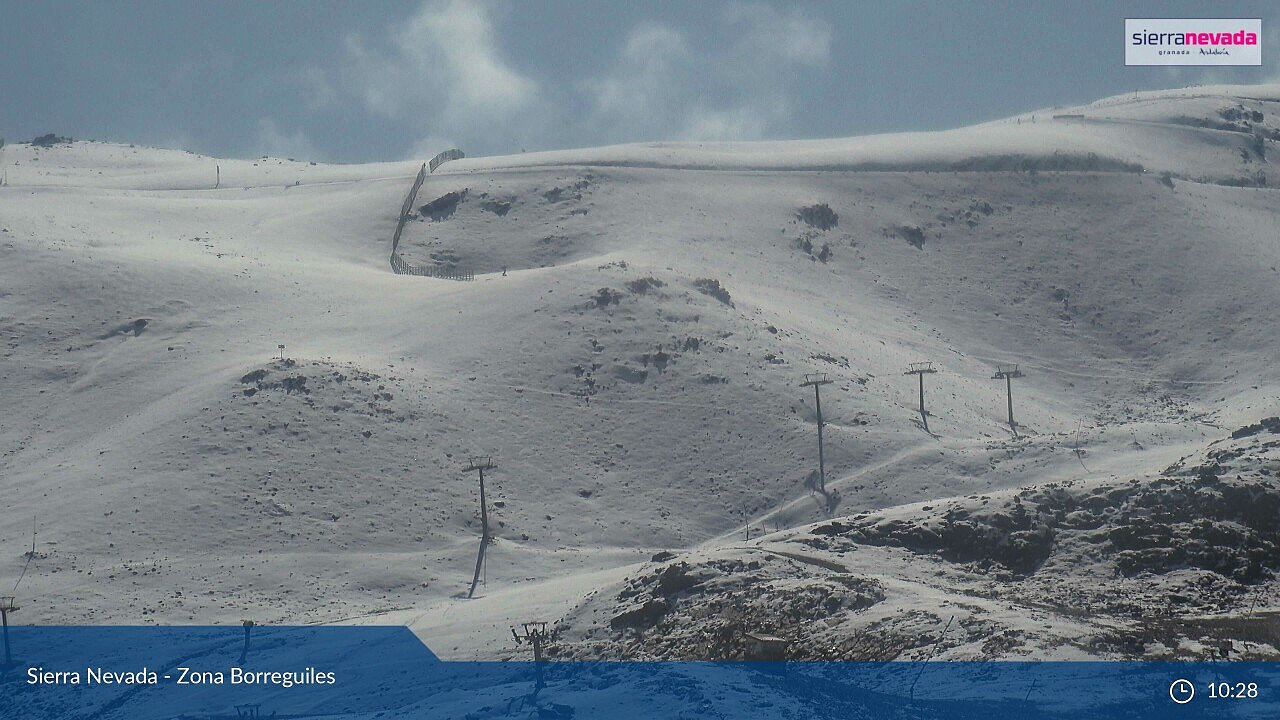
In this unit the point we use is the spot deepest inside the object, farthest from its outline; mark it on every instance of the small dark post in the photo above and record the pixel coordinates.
(920, 369)
(817, 380)
(1008, 373)
(244, 652)
(480, 464)
(218, 169)
(7, 606)
(929, 657)
(535, 634)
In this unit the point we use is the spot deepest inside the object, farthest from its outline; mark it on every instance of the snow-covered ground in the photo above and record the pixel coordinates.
(631, 354)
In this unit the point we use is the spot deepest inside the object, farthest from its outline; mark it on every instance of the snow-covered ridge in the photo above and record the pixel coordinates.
(1182, 132)
(1199, 133)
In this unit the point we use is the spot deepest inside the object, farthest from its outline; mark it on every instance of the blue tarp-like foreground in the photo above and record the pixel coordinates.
(350, 673)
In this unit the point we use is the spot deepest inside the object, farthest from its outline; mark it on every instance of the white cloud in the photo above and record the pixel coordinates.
(733, 124)
(794, 38)
(646, 88)
(427, 147)
(1270, 46)
(461, 37)
(174, 139)
(315, 87)
(442, 69)
(271, 140)
(666, 85)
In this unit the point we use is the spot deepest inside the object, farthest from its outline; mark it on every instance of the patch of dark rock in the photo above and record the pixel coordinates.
(632, 375)
(253, 377)
(676, 579)
(1057, 162)
(657, 358)
(293, 384)
(819, 216)
(444, 206)
(822, 254)
(573, 192)
(1240, 113)
(49, 140)
(712, 287)
(643, 285)
(643, 615)
(834, 528)
(605, 297)
(134, 328)
(913, 234)
(1271, 425)
(842, 361)
(1019, 542)
(497, 207)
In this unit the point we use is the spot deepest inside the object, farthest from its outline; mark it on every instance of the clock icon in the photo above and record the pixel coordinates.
(1181, 691)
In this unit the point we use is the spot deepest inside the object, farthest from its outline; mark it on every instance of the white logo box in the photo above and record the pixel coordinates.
(1193, 41)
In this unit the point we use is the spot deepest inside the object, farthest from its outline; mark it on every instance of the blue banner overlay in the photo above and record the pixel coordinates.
(350, 673)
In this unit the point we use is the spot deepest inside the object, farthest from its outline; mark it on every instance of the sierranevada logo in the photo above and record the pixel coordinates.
(1193, 41)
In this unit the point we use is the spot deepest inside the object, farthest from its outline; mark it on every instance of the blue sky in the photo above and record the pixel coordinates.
(352, 82)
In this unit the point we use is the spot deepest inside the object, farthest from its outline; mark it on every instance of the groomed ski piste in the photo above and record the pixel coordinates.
(630, 353)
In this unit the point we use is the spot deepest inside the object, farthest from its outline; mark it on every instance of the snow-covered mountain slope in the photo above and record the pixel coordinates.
(1170, 565)
(630, 353)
